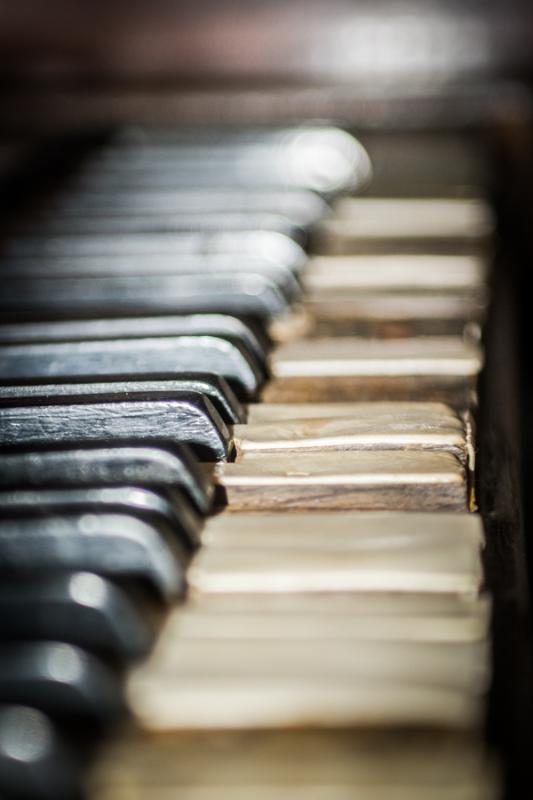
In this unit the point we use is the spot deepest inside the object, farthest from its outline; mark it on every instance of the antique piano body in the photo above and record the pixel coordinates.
(172, 175)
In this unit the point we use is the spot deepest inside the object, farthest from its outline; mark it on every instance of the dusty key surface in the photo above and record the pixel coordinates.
(341, 369)
(360, 481)
(339, 553)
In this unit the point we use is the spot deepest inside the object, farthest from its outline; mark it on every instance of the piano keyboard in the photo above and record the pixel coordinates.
(239, 538)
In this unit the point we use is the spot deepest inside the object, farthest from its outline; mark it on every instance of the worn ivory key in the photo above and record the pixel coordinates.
(351, 480)
(346, 368)
(370, 427)
(251, 683)
(396, 273)
(394, 295)
(382, 296)
(259, 413)
(358, 618)
(340, 606)
(318, 552)
(276, 671)
(380, 315)
(374, 224)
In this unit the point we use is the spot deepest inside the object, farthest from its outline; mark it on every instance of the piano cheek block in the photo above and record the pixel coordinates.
(192, 420)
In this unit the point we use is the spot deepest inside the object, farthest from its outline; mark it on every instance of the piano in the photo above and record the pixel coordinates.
(264, 446)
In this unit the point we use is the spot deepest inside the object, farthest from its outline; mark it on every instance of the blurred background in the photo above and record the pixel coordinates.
(374, 63)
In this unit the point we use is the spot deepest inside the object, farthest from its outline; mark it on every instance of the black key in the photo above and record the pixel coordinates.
(214, 387)
(78, 608)
(268, 245)
(304, 208)
(117, 546)
(166, 469)
(225, 327)
(165, 222)
(326, 160)
(186, 418)
(247, 296)
(60, 680)
(177, 518)
(36, 762)
(131, 359)
(280, 274)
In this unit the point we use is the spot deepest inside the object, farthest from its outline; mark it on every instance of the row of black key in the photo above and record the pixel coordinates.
(111, 393)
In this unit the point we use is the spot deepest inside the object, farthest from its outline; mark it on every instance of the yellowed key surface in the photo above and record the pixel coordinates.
(442, 369)
(457, 226)
(351, 480)
(259, 413)
(369, 430)
(356, 621)
(340, 553)
(248, 683)
(353, 313)
(350, 605)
